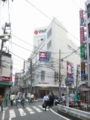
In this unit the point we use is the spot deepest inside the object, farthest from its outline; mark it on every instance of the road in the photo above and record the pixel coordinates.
(34, 111)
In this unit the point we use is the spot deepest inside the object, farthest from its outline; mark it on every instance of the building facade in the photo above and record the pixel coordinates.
(48, 62)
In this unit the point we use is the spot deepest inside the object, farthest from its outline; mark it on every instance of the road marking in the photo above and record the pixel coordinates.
(12, 114)
(37, 109)
(59, 114)
(22, 113)
(3, 116)
(30, 110)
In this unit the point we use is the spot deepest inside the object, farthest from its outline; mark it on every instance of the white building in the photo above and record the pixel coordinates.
(52, 39)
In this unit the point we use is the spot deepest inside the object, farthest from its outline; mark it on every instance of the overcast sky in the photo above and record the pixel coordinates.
(26, 15)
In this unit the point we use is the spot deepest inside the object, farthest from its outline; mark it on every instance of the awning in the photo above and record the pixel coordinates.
(46, 85)
(6, 83)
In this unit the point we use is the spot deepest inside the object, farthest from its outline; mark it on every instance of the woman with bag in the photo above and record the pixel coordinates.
(45, 101)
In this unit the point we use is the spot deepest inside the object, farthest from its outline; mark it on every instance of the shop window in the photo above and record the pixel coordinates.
(42, 75)
(89, 30)
(88, 11)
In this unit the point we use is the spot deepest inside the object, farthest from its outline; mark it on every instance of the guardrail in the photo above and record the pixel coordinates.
(74, 112)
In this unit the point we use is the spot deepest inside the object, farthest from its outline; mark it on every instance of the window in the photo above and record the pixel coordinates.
(89, 51)
(89, 30)
(88, 11)
(42, 75)
(49, 33)
(49, 44)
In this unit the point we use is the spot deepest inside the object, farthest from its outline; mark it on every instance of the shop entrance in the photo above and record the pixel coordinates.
(43, 92)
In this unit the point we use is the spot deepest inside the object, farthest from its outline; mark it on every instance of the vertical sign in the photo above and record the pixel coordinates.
(82, 51)
(82, 71)
(70, 78)
(81, 18)
(81, 35)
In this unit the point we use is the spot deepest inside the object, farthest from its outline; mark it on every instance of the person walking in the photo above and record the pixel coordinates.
(6, 98)
(1, 102)
(45, 101)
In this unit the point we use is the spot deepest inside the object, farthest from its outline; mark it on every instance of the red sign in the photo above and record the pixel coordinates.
(5, 79)
(35, 32)
(69, 69)
(81, 13)
(43, 55)
(81, 35)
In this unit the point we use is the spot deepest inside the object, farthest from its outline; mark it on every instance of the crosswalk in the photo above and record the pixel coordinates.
(20, 112)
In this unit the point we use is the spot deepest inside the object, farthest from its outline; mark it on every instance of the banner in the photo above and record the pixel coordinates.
(83, 71)
(70, 78)
(82, 51)
(81, 35)
(81, 18)
(44, 56)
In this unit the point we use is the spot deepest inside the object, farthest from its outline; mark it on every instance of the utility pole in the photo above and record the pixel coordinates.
(60, 72)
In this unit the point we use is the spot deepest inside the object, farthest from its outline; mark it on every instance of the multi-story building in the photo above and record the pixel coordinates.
(52, 50)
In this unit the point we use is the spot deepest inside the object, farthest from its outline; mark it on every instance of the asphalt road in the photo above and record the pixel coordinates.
(34, 111)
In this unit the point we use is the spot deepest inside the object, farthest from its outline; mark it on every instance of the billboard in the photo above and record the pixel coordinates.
(81, 35)
(82, 51)
(83, 71)
(81, 13)
(6, 68)
(44, 56)
(70, 76)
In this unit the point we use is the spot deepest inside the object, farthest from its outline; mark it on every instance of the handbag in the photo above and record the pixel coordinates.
(43, 105)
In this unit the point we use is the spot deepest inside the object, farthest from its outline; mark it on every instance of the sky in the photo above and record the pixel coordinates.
(27, 15)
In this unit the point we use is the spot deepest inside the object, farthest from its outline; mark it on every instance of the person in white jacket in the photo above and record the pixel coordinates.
(45, 101)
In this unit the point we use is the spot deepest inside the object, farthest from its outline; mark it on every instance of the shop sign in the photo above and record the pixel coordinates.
(44, 56)
(81, 35)
(81, 18)
(82, 51)
(70, 78)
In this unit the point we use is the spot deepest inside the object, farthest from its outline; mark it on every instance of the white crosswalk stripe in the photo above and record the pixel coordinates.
(37, 109)
(13, 113)
(22, 112)
(30, 110)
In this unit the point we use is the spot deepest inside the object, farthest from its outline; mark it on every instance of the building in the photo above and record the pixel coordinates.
(52, 50)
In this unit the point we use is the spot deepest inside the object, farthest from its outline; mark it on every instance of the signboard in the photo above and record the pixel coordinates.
(82, 71)
(70, 78)
(6, 68)
(82, 51)
(40, 31)
(44, 56)
(81, 35)
(81, 18)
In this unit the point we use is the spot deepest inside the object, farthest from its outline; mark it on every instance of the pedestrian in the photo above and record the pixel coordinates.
(6, 98)
(12, 97)
(1, 102)
(51, 99)
(45, 101)
(23, 101)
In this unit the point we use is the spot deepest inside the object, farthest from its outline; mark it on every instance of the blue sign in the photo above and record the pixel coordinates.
(44, 56)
